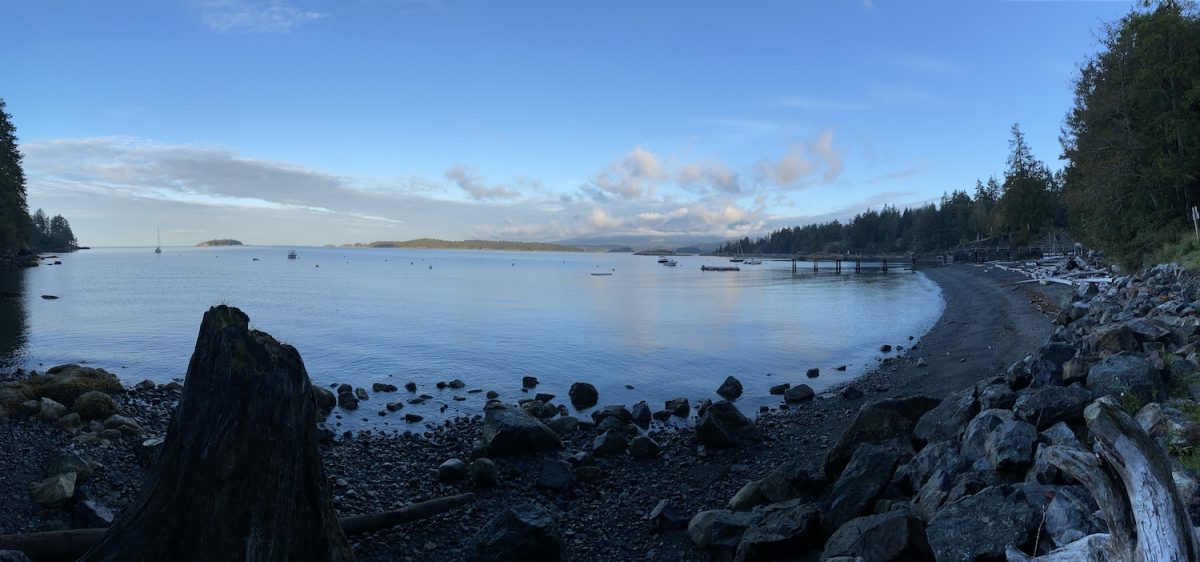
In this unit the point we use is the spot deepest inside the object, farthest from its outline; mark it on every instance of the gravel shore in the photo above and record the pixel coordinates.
(989, 322)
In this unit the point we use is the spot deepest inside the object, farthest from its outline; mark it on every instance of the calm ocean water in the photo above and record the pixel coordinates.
(488, 318)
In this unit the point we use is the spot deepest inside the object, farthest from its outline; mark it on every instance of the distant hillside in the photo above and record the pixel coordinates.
(621, 250)
(435, 244)
(221, 242)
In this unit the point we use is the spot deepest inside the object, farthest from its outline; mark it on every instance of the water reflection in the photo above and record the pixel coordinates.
(14, 327)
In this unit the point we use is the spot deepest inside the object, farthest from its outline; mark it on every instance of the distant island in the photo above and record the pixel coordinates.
(435, 244)
(621, 250)
(655, 253)
(220, 242)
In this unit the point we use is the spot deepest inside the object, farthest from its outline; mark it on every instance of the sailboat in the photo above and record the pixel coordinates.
(158, 248)
(738, 257)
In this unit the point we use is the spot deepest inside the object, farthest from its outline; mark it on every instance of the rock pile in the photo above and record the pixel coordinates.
(978, 474)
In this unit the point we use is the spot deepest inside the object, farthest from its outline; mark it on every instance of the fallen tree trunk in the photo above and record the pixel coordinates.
(1131, 481)
(63, 546)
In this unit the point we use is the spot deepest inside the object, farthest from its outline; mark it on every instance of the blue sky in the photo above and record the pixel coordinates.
(323, 121)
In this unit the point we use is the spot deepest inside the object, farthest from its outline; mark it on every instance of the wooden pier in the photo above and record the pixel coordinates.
(881, 262)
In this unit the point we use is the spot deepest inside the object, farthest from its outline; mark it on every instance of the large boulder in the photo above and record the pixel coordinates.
(583, 395)
(781, 533)
(1125, 373)
(997, 440)
(980, 527)
(94, 405)
(1052, 404)
(861, 483)
(526, 533)
(1113, 338)
(945, 456)
(886, 537)
(1071, 516)
(720, 528)
(510, 430)
(54, 489)
(721, 425)
(949, 419)
(877, 422)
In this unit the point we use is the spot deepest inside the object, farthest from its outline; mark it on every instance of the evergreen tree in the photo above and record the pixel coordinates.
(16, 228)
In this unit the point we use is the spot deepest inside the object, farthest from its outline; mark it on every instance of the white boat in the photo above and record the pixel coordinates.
(738, 257)
(663, 259)
(158, 248)
(752, 261)
(291, 254)
(670, 263)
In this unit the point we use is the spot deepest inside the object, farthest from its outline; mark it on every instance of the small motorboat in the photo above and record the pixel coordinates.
(670, 263)
(663, 259)
(291, 254)
(752, 261)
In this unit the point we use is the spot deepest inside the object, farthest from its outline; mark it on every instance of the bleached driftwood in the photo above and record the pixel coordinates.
(1130, 478)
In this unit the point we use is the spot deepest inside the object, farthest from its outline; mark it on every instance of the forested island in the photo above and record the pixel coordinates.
(220, 242)
(435, 244)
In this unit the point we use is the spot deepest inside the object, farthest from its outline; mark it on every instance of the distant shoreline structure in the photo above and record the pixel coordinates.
(436, 244)
(220, 242)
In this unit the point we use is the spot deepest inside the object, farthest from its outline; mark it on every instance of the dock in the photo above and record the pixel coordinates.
(860, 262)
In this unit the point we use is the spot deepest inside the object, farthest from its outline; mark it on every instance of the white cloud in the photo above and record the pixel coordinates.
(805, 164)
(715, 176)
(252, 16)
(634, 176)
(476, 188)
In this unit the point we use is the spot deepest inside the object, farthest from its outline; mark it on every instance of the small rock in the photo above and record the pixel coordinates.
(583, 395)
(609, 443)
(452, 470)
(94, 405)
(664, 517)
(885, 348)
(410, 386)
(643, 447)
(383, 387)
(678, 407)
(50, 410)
(456, 384)
(640, 414)
(529, 382)
(69, 423)
(780, 388)
(799, 393)
(840, 368)
(921, 362)
(54, 489)
(361, 394)
(555, 474)
(144, 385)
(492, 395)
(731, 389)
(413, 418)
(525, 532)
(851, 393)
(484, 472)
(813, 373)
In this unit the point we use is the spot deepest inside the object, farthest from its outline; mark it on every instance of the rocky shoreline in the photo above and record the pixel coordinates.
(605, 503)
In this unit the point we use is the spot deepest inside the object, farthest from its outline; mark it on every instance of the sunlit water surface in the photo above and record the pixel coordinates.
(393, 315)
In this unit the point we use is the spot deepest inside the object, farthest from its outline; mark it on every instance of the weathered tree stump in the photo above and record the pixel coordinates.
(240, 476)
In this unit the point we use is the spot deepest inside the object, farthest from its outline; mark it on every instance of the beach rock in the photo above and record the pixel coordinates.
(780, 388)
(456, 384)
(640, 414)
(410, 386)
(91, 514)
(361, 394)
(509, 430)
(721, 425)
(325, 400)
(979, 527)
(851, 393)
(997, 396)
(1113, 338)
(1070, 516)
(526, 533)
(539, 409)
(555, 474)
(999, 441)
(127, 426)
(64, 384)
(731, 389)
(1146, 330)
(492, 395)
(642, 447)
(1059, 434)
(529, 382)
(877, 422)
(949, 418)
(861, 483)
(1169, 427)
(149, 449)
(383, 387)
(921, 363)
(484, 472)
(720, 528)
(54, 489)
(69, 461)
(781, 533)
(564, 426)
(69, 423)
(452, 470)
(663, 516)
(893, 536)
(678, 407)
(51, 410)
(945, 456)
(413, 418)
(583, 395)
(542, 396)
(610, 442)
(1052, 404)
(799, 393)
(1126, 373)
(94, 405)
(346, 398)
(885, 348)
(813, 373)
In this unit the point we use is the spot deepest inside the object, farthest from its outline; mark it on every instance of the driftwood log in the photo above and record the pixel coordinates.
(240, 475)
(63, 546)
(1130, 478)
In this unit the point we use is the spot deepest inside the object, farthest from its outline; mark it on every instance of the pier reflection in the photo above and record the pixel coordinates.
(14, 325)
